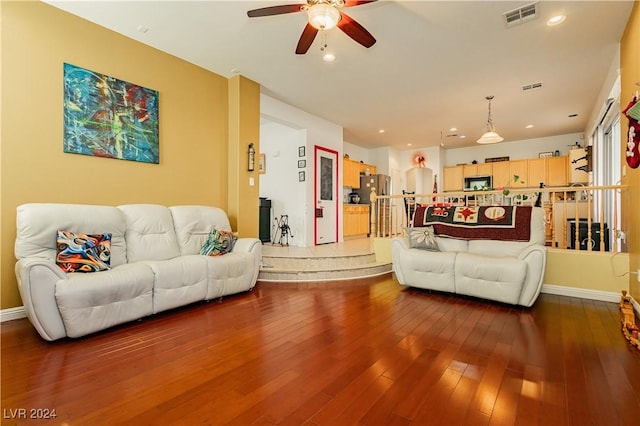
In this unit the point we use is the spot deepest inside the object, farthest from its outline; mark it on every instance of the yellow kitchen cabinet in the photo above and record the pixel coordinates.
(453, 178)
(480, 169)
(557, 171)
(351, 173)
(536, 172)
(355, 220)
(470, 170)
(364, 166)
(485, 169)
(518, 168)
(501, 174)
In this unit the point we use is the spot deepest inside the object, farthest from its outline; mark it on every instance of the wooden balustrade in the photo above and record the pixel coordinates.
(577, 217)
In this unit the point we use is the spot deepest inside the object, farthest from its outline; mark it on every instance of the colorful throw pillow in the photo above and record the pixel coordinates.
(218, 243)
(423, 238)
(82, 252)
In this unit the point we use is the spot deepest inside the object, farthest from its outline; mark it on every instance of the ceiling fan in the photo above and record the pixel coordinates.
(323, 15)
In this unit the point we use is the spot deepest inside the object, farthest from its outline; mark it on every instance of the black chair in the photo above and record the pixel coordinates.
(409, 205)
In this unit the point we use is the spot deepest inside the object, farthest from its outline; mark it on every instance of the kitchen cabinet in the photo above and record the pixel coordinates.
(501, 174)
(453, 178)
(536, 172)
(485, 169)
(553, 171)
(469, 170)
(350, 173)
(578, 162)
(481, 169)
(518, 168)
(557, 171)
(355, 220)
(364, 166)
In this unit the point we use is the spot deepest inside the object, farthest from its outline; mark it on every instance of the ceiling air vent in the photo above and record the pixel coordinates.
(521, 15)
(531, 86)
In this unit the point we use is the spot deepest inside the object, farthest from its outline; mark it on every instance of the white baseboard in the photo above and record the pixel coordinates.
(11, 314)
(605, 296)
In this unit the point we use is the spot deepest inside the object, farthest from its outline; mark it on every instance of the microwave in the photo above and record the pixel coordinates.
(477, 183)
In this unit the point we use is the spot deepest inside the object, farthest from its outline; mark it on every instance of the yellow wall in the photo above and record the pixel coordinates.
(194, 118)
(242, 114)
(586, 270)
(630, 79)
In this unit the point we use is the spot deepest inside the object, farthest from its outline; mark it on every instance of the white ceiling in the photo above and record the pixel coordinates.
(430, 70)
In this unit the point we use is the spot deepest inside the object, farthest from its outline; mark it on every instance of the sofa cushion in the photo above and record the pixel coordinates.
(92, 302)
(493, 278)
(38, 224)
(150, 234)
(178, 281)
(82, 252)
(496, 248)
(452, 244)
(419, 268)
(422, 238)
(194, 223)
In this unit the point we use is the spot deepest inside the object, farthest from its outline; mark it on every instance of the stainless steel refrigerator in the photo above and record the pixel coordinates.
(382, 184)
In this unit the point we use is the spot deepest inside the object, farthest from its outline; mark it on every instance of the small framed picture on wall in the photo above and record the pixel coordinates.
(262, 165)
(302, 164)
(301, 151)
(300, 176)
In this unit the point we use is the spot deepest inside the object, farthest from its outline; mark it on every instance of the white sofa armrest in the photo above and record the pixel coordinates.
(399, 245)
(253, 246)
(249, 245)
(37, 279)
(536, 258)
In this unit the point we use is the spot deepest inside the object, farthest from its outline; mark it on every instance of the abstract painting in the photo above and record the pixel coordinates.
(107, 117)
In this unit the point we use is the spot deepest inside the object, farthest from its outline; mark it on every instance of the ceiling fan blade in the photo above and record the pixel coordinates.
(275, 10)
(356, 31)
(351, 3)
(307, 37)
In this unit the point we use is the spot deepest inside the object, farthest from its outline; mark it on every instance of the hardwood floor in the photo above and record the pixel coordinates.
(354, 352)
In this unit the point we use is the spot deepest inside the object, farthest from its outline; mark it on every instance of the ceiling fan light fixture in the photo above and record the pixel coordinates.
(490, 136)
(323, 16)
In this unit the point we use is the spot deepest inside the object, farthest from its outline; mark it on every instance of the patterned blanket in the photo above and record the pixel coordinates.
(504, 223)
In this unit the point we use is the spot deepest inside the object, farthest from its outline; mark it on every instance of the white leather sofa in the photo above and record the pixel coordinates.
(155, 264)
(504, 271)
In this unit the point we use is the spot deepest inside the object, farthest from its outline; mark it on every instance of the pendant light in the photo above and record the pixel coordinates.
(490, 136)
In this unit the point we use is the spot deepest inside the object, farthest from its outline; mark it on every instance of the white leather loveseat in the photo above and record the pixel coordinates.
(155, 264)
(504, 271)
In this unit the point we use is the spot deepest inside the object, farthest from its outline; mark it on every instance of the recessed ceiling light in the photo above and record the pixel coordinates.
(462, 136)
(329, 57)
(529, 126)
(409, 144)
(453, 129)
(381, 131)
(556, 20)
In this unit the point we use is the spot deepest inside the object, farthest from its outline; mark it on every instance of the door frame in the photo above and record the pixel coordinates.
(316, 152)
